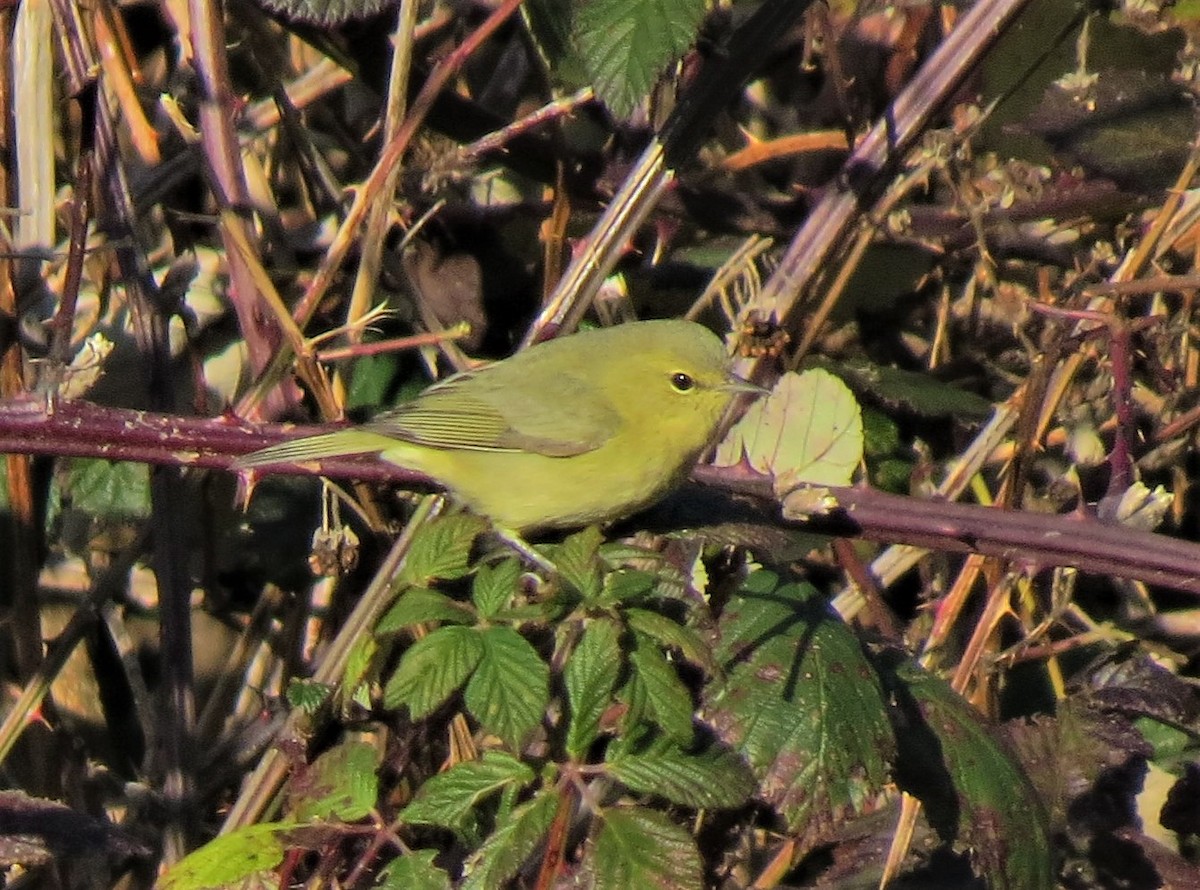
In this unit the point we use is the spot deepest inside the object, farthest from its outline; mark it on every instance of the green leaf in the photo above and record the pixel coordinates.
(433, 668)
(495, 586)
(106, 489)
(540, 612)
(881, 434)
(802, 704)
(496, 862)
(1173, 747)
(589, 676)
(627, 584)
(808, 430)
(713, 778)
(642, 848)
(920, 394)
(674, 635)
(372, 382)
(1138, 147)
(893, 475)
(441, 550)
(418, 605)
(229, 859)
(626, 46)
(509, 691)
(616, 553)
(450, 799)
(666, 700)
(575, 559)
(974, 791)
(889, 462)
(358, 661)
(308, 695)
(414, 871)
(341, 784)
(326, 12)
(549, 23)
(360, 695)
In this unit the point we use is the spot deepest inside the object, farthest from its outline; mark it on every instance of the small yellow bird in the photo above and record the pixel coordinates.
(582, 429)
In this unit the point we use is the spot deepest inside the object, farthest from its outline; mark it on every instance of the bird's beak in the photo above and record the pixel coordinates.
(734, 383)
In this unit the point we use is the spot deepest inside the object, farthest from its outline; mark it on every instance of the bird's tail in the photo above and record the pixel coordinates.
(338, 444)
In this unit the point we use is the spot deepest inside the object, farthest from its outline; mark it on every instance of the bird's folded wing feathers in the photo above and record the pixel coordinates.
(562, 417)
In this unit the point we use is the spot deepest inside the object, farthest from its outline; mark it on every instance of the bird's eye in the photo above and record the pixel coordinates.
(682, 382)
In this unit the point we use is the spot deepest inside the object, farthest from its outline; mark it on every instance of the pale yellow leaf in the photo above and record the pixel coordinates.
(808, 430)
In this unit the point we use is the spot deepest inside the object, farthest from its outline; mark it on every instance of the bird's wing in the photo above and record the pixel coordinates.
(480, 411)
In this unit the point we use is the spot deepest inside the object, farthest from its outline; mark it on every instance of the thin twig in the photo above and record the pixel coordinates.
(869, 166)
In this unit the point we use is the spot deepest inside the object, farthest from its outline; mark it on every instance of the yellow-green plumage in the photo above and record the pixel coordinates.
(582, 429)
